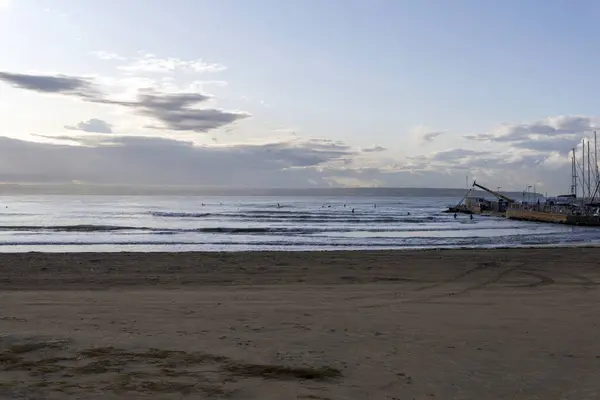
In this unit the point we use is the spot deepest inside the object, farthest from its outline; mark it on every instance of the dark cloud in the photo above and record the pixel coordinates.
(307, 154)
(61, 84)
(551, 128)
(482, 137)
(176, 111)
(429, 136)
(374, 149)
(150, 160)
(93, 125)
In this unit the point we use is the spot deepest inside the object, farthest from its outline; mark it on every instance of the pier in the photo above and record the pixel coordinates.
(586, 216)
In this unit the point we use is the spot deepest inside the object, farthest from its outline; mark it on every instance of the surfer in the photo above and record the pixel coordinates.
(454, 215)
(471, 216)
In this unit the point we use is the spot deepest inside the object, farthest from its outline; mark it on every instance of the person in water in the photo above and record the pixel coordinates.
(471, 216)
(454, 215)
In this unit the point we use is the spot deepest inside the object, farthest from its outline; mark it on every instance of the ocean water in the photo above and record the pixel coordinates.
(154, 223)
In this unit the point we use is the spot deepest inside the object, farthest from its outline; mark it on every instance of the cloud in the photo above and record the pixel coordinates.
(502, 168)
(501, 162)
(104, 55)
(60, 84)
(546, 143)
(284, 154)
(455, 155)
(429, 136)
(150, 63)
(93, 125)
(561, 145)
(374, 149)
(176, 111)
(548, 129)
(111, 159)
(424, 134)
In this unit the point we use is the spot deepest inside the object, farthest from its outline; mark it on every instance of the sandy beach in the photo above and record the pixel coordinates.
(451, 324)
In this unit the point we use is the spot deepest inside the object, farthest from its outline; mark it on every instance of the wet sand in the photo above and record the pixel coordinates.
(451, 324)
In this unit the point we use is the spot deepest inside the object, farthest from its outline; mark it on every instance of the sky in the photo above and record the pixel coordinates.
(297, 93)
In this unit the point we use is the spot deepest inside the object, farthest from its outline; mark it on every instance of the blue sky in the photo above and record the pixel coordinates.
(378, 73)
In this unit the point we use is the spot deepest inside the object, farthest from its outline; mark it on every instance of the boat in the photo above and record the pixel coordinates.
(481, 205)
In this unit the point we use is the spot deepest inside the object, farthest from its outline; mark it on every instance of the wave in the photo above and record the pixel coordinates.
(134, 229)
(70, 228)
(179, 214)
(301, 217)
(348, 220)
(233, 230)
(417, 242)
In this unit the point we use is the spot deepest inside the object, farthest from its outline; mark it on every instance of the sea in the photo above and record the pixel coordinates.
(86, 223)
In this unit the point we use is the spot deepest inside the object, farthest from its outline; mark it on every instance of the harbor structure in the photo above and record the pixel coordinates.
(570, 209)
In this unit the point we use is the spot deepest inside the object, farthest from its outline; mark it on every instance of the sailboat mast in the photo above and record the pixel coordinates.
(597, 178)
(573, 174)
(589, 176)
(583, 169)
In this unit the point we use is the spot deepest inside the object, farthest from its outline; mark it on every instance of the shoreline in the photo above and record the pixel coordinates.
(448, 324)
(158, 248)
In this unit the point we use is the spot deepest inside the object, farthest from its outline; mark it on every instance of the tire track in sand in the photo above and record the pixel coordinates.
(479, 278)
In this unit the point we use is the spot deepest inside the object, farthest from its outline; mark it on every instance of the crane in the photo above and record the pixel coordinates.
(496, 194)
